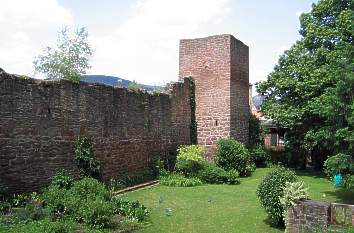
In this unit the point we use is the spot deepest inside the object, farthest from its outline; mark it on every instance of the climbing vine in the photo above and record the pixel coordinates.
(85, 158)
(193, 127)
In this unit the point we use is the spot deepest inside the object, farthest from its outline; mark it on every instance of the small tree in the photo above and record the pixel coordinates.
(134, 86)
(69, 60)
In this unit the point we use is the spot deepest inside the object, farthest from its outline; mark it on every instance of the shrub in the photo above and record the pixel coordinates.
(339, 164)
(62, 180)
(85, 158)
(292, 192)
(212, 174)
(46, 226)
(234, 155)
(189, 160)
(86, 201)
(271, 189)
(4, 207)
(180, 181)
(192, 152)
(83, 191)
(349, 182)
(232, 177)
(158, 167)
(54, 197)
(259, 155)
(134, 210)
(19, 200)
(96, 213)
(256, 131)
(188, 167)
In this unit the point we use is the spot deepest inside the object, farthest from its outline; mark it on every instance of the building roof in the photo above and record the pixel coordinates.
(257, 101)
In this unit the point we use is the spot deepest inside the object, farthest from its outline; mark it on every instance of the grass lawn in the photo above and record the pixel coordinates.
(222, 208)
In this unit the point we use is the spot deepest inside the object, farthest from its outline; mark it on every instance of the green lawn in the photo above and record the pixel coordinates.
(222, 208)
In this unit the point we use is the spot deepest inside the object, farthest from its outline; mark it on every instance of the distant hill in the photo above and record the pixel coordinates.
(115, 81)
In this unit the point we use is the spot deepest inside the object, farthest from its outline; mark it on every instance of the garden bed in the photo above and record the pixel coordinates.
(222, 208)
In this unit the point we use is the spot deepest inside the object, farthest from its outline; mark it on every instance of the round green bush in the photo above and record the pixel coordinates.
(187, 167)
(212, 174)
(232, 154)
(271, 189)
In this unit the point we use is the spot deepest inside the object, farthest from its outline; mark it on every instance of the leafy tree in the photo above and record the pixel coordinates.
(69, 60)
(310, 90)
(256, 131)
(134, 86)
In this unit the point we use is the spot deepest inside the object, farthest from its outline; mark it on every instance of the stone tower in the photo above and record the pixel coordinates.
(219, 66)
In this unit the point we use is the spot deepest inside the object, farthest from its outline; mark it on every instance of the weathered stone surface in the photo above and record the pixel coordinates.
(40, 120)
(219, 66)
(310, 215)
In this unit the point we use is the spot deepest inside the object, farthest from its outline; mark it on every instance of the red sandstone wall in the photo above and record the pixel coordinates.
(240, 108)
(219, 66)
(39, 122)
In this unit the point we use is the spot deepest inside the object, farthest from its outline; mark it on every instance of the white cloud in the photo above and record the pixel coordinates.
(28, 26)
(145, 46)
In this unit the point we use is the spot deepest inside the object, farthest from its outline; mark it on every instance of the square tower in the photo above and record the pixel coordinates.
(219, 66)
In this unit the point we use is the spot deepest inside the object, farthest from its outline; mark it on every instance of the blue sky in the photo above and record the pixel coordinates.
(138, 40)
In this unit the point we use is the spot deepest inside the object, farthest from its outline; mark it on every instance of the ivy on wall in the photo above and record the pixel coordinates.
(193, 126)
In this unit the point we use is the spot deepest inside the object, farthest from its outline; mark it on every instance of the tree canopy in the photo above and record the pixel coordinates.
(69, 60)
(310, 91)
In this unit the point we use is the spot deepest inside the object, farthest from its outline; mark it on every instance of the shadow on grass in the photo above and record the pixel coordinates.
(280, 227)
(345, 196)
(311, 173)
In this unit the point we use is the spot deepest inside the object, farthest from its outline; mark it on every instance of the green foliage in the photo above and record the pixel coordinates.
(19, 200)
(4, 207)
(192, 152)
(31, 212)
(86, 201)
(310, 90)
(96, 213)
(134, 86)
(271, 189)
(134, 210)
(189, 160)
(256, 135)
(158, 167)
(234, 155)
(46, 226)
(54, 197)
(212, 174)
(259, 155)
(85, 158)
(339, 164)
(62, 180)
(69, 60)
(188, 167)
(193, 127)
(282, 157)
(179, 181)
(292, 192)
